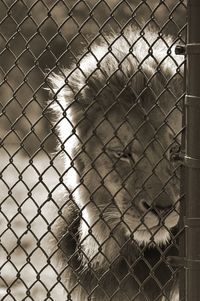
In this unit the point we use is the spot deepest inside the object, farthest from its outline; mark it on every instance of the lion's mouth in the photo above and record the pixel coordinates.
(151, 223)
(154, 228)
(152, 218)
(157, 225)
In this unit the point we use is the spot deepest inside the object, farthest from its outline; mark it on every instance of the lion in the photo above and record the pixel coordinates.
(118, 116)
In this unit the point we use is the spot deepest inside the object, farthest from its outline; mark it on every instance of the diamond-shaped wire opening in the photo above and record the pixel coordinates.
(51, 209)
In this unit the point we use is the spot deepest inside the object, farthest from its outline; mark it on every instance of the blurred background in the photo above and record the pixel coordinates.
(36, 38)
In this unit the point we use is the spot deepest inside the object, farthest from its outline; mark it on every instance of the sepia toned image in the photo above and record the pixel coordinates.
(98, 124)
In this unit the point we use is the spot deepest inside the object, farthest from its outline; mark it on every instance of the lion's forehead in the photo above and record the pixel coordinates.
(117, 130)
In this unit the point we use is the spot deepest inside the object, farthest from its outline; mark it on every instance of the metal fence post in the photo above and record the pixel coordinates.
(192, 157)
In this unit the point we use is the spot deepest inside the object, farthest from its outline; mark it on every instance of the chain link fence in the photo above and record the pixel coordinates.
(91, 127)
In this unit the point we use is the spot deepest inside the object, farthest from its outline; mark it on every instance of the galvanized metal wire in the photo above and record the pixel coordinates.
(43, 242)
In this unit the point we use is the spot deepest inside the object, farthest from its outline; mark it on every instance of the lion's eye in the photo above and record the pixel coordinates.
(122, 155)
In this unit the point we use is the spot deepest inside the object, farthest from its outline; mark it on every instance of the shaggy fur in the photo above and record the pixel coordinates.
(118, 119)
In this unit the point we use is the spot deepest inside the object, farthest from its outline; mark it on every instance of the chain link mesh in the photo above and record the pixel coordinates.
(91, 95)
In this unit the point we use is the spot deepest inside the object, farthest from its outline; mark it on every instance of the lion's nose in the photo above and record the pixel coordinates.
(159, 196)
(163, 201)
(156, 197)
(156, 208)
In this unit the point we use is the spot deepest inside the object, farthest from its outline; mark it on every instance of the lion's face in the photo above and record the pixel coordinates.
(129, 168)
(123, 115)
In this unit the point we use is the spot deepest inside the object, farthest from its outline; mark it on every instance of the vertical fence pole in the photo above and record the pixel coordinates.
(192, 156)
